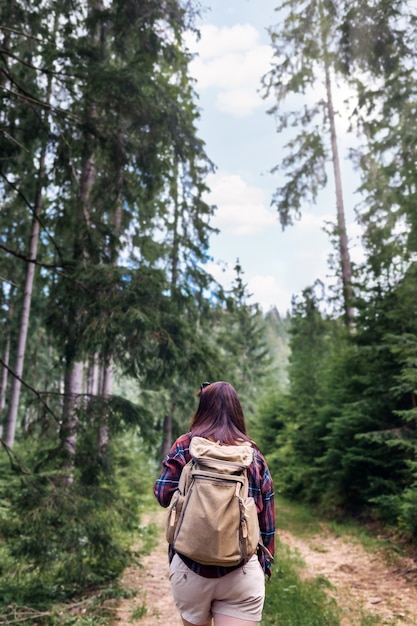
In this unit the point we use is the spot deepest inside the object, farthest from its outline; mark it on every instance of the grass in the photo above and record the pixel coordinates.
(290, 600)
(138, 612)
(297, 518)
(295, 602)
(304, 521)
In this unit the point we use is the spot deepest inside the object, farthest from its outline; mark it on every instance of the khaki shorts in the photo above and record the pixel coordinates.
(240, 593)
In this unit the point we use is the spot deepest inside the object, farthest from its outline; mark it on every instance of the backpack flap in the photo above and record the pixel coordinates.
(204, 448)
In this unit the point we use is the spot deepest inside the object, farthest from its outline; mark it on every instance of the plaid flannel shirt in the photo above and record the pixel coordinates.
(260, 488)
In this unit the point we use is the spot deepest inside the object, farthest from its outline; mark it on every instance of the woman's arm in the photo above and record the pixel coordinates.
(173, 463)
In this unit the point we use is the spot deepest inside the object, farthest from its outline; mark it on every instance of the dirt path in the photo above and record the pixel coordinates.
(155, 600)
(360, 581)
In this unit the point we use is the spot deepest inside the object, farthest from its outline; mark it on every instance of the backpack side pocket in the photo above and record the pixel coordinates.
(249, 528)
(174, 514)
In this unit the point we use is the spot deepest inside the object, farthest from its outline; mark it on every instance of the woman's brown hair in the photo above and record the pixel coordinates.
(219, 415)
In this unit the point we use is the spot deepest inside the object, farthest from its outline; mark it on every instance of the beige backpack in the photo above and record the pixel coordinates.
(211, 519)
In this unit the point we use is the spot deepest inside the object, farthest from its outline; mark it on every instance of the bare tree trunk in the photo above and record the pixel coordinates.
(73, 380)
(93, 376)
(69, 428)
(106, 391)
(167, 438)
(108, 369)
(345, 263)
(167, 424)
(11, 418)
(3, 381)
(28, 286)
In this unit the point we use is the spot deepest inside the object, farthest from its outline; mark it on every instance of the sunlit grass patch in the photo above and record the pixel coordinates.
(297, 518)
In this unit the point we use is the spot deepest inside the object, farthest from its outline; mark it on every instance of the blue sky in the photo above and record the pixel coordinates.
(233, 54)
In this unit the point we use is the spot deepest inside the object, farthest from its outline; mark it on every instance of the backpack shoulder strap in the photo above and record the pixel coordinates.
(186, 477)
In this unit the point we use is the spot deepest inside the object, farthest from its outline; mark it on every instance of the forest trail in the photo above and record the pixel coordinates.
(361, 582)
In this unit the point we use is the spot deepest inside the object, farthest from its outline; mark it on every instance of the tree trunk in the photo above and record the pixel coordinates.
(93, 376)
(106, 390)
(3, 381)
(107, 373)
(69, 428)
(345, 263)
(73, 380)
(16, 383)
(167, 435)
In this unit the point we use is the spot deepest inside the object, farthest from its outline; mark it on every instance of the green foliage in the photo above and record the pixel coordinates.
(298, 437)
(271, 417)
(245, 358)
(61, 538)
(277, 338)
(138, 612)
(382, 70)
(116, 243)
(375, 441)
(408, 509)
(296, 517)
(342, 436)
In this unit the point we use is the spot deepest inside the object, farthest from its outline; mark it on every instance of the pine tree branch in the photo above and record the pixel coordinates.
(42, 70)
(23, 94)
(29, 205)
(25, 258)
(14, 459)
(32, 389)
(20, 32)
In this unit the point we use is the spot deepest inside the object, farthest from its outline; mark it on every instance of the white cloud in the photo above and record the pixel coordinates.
(232, 60)
(222, 271)
(269, 293)
(313, 220)
(266, 290)
(241, 208)
(217, 41)
(239, 102)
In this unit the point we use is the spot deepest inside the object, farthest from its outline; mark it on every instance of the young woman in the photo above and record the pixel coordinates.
(232, 596)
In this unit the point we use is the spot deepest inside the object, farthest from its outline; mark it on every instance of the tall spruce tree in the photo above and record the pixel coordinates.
(122, 275)
(123, 130)
(305, 63)
(377, 54)
(26, 139)
(350, 438)
(241, 334)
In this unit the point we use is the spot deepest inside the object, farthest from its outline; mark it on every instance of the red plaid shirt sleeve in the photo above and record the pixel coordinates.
(178, 456)
(261, 488)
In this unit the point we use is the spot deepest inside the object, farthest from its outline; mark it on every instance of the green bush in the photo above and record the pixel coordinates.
(59, 539)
